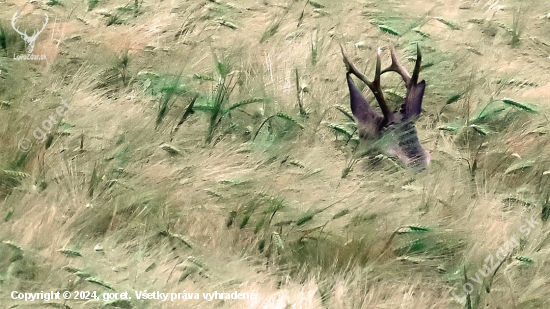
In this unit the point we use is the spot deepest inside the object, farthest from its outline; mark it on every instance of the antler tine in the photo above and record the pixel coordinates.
(378, 66)
(416, 71)
(45, 23)
(398, 68)
(374, 86)
(13, 23)
(35, 33)
(350, 66)
(377, 90)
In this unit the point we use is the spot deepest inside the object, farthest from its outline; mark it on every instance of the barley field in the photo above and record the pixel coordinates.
(203, 154)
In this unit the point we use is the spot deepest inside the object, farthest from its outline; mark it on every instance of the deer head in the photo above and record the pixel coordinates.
(394, 129)
(29, 40)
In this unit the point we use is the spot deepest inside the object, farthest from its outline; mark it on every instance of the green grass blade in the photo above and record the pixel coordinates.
(388, 29)
(345, 112)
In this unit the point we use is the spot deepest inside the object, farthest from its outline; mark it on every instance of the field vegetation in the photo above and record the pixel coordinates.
(209, 146)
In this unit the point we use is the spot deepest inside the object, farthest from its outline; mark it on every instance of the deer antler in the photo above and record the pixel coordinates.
(415, 91)
(374, 85)
(372, 126)
(399, 69)
(35, 34)
(13, 24)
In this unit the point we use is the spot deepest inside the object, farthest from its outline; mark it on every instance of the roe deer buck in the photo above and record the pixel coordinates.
(394, 129)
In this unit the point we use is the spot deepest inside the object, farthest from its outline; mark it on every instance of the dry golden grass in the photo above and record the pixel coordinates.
(121, 200)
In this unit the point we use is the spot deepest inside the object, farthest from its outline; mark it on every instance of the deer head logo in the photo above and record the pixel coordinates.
(395, 128)
(29, 40)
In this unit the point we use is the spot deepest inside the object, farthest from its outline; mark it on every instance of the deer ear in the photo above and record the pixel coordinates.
(413, 101)
(360, 108)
